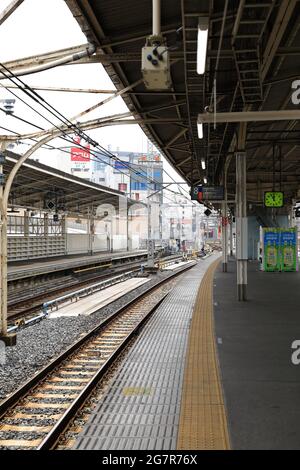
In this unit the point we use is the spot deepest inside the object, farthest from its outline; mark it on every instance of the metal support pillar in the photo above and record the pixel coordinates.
(26, 224)
(111, 242)
(8, 339)
(292, 220)
(231, 238)
(63, 225)
(46, 224)
(127, 230)
(150, 255)
(241, 215)
(156, 17)
(224, 237)
(241, 218)
(64, 230)
(91, 231)
(160, 226)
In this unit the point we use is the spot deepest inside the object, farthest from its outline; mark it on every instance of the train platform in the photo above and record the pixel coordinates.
(91, 303)
(37, 267)
(152, 402)
(254, 338)
(207, 371)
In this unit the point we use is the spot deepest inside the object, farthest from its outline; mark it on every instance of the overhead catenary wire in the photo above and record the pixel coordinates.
(69, 124)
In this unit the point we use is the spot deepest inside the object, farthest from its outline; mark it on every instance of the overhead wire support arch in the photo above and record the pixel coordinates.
(74, 128)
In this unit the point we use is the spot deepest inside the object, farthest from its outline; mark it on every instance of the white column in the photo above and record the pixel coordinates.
(156, 17)
(241, 226)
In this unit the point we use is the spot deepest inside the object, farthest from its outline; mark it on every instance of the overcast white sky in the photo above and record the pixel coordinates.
(40, 26)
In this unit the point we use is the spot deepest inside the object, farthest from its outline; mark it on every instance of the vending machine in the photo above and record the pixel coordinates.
(270, 244)
(278, 249)
(289, 250)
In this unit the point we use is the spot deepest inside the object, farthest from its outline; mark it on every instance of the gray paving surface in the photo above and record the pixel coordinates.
(262, 386)
(141, 408)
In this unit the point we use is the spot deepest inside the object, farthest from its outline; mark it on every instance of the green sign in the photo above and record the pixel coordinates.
(273, 199)
(288, 244)
(271, 250)
(280, 249)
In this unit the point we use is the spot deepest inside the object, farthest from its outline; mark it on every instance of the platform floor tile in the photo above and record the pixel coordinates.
(141, 407)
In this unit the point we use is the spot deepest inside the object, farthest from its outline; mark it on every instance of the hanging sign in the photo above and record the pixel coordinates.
(207, 193)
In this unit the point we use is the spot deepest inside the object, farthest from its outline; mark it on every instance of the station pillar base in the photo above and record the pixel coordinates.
(242, 291)
(9, 339)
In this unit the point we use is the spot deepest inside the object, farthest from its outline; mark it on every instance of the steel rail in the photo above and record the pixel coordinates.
(53, 435)
(32, 304)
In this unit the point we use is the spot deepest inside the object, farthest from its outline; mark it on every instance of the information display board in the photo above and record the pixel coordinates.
(213, 193)
(207, 193)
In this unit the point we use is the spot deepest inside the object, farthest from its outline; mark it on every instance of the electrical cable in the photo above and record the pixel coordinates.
(69, 124)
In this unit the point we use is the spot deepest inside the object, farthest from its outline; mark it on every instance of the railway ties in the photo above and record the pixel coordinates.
(36, 415)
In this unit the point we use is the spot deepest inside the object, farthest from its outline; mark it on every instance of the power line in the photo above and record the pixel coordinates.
(67, 122)
(25, 89)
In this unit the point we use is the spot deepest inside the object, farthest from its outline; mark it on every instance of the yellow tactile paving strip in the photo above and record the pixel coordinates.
(203, 422)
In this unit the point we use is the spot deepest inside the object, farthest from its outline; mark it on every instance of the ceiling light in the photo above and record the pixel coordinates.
(203, 164)
(202, 44)
(205, 180)
(200, 130)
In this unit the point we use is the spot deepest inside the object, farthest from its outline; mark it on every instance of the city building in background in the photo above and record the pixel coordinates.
(177, 223)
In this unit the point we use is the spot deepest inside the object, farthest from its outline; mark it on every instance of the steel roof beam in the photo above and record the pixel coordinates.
(9, 10)
(284, 15)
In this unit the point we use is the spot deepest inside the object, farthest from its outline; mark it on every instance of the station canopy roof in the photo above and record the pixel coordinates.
(254, 56)
(40, 186)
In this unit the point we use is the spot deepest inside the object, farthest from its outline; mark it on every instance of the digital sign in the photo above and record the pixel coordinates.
(207, 193)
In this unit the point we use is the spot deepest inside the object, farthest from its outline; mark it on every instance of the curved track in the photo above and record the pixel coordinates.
(36, 414)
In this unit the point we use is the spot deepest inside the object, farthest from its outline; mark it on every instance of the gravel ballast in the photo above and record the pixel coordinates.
(43, 341)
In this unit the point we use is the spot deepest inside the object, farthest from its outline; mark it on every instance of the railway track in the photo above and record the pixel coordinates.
(37, 413)
(28, 306)
(20, 309)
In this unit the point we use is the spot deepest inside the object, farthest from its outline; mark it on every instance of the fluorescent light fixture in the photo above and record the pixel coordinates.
(200, 130)
(203, 163)
(205, 180)
(202, 44)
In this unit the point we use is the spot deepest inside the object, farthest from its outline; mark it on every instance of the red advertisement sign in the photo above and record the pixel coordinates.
(80, 154)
